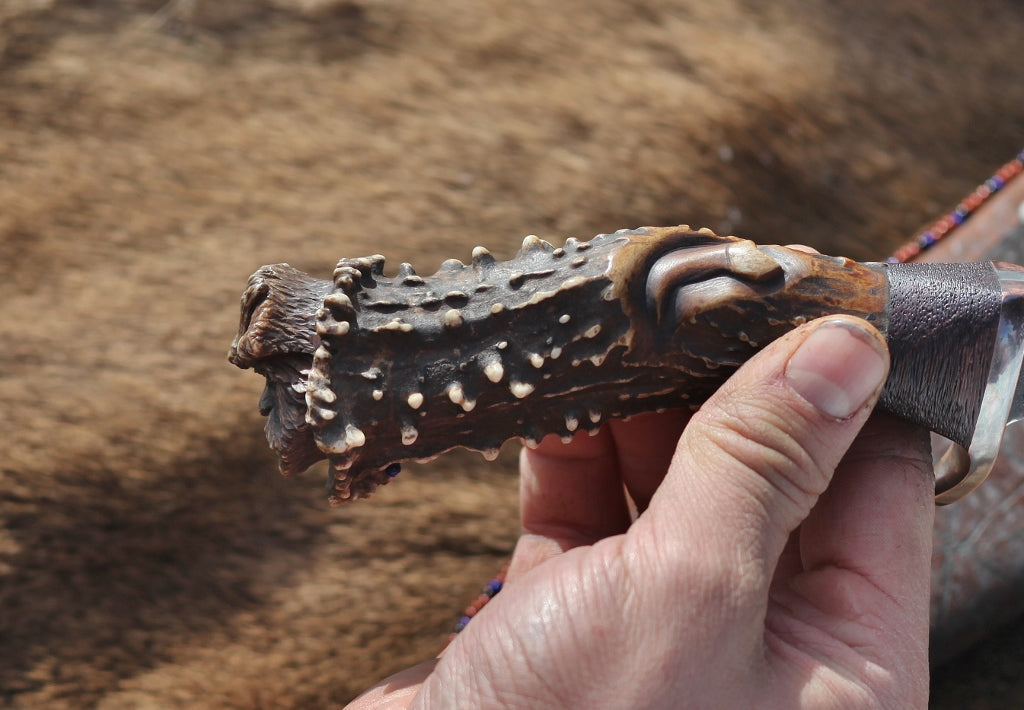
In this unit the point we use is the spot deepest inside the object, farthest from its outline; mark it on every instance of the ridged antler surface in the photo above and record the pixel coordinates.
(371, 370)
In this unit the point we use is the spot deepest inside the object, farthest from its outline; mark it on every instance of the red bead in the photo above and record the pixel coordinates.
(973, 200)
(1008, 172)
(908, 252)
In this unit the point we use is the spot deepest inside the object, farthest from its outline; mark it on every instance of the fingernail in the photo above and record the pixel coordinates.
(838, 368)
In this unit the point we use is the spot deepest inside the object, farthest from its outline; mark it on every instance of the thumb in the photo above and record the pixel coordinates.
(754, 460)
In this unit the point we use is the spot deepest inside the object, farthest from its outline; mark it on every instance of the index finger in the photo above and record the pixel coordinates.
(573, 494)
(876, 517)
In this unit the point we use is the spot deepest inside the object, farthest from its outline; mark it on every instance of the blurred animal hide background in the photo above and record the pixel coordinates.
(153, 154)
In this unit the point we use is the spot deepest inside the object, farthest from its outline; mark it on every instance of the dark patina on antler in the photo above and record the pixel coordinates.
(371, 370)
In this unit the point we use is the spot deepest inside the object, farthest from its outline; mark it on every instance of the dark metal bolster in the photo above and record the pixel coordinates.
(943, 321)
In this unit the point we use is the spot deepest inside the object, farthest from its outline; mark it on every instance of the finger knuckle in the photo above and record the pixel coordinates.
(766, 440)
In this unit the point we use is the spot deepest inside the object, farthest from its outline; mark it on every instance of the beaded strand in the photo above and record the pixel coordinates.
(486, 594)
(942, 227)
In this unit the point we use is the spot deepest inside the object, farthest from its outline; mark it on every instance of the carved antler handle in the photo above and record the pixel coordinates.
(372, 370)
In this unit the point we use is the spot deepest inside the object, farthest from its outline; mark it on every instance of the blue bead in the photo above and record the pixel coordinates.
(926, 239)
(493, 587)
(892, 260)
(958, 218)
(393, 470)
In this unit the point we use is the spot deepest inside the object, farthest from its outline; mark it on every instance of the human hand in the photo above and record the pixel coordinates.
(782, 560)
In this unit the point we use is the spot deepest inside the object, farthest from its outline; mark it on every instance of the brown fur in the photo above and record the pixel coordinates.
(153, 154)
